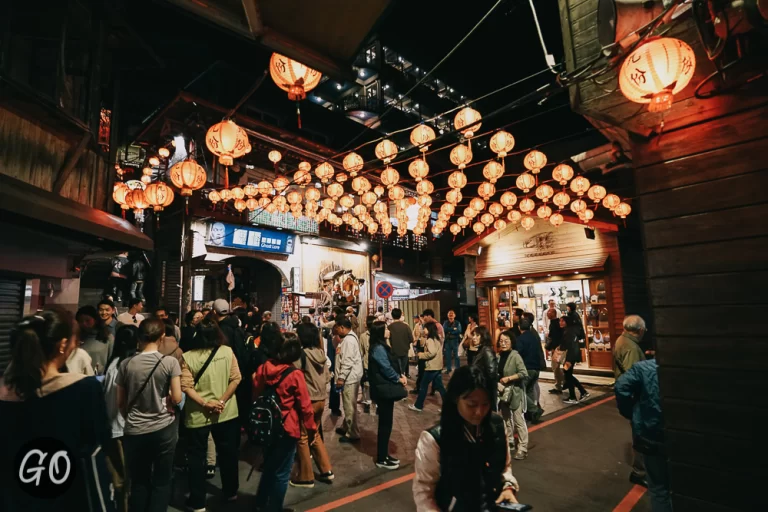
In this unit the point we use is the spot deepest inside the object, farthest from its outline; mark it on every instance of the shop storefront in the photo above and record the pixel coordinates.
(279, 271)
(528, 269)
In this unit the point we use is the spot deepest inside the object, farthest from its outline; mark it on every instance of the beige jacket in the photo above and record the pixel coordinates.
(433, 354)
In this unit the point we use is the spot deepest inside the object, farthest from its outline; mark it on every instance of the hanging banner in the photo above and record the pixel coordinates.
(221, 234)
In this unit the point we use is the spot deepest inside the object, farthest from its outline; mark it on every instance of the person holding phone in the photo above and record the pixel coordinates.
(463, 463)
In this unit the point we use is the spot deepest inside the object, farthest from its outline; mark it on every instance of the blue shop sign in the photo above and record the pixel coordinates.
(221, 234)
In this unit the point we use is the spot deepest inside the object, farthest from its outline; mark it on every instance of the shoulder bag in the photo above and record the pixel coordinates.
(141, 389)
(205, 365)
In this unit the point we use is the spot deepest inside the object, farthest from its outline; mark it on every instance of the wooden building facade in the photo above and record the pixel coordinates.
(699, 203)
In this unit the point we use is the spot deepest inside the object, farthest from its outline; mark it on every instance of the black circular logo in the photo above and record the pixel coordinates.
(45, 468)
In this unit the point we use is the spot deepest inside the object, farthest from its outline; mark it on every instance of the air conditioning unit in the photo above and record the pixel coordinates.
(607, 158)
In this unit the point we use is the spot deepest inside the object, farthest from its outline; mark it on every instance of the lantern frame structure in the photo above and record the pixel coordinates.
(425, 187)
(508, 199)
(353, 163)
(324, 171)
(525, 182)
(527, 222)
(418, 169)
(227, 141)
(386, 150)
(389, 177)
(562, 173)
(657, 70)
(477, 204)
(596, 193)
(502, 143)
(159, 195)
(457, 180)
(421, 136)
(492, 171)
(486, 190)
(453, 196)
(580, 185)
(534, 161)
(188, 176)
(467, 121)
(275, 156)
(461, 155)
(611, 201)
(295, 78)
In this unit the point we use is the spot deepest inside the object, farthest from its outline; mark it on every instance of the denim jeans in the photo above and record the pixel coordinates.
(278, 461)
(658, 483)
(149, 459)
(451, 348)
(435, 378)
(227, 439)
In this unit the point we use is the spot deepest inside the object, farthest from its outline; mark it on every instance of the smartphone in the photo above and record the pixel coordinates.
(514, 507)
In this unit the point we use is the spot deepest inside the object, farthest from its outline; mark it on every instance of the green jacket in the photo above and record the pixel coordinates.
(626, 353)
(514, 392)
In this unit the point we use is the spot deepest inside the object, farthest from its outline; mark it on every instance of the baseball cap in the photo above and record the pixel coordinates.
(221, 306)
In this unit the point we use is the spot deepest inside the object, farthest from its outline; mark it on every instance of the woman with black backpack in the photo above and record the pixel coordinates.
(210, 375)
(278, 382)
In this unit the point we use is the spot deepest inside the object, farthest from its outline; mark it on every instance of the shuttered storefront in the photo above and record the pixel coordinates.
(11, 309)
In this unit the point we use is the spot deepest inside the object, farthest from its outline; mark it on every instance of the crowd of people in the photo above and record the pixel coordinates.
(167, 396)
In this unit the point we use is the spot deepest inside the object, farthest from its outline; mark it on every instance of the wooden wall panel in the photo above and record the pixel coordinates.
(710, 226)
(33, 155)
(706, 289)
(746, 352)
(702, 209)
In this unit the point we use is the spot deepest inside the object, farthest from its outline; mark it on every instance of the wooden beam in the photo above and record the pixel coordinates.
(70, 161)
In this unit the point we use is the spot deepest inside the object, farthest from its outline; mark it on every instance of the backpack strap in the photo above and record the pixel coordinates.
(285, 373)
(205, 365)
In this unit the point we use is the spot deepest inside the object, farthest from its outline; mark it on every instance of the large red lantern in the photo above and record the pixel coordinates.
(656, 71)
(227, 141)
(188, 176)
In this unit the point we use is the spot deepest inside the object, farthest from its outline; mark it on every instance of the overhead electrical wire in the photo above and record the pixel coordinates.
(429, 73)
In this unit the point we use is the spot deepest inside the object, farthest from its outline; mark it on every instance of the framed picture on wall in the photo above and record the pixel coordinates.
(539, 302)
(513, 298)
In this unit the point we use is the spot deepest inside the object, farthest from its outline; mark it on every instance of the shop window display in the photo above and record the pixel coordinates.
(593, 306)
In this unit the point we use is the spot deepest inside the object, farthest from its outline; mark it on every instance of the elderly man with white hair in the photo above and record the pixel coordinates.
(626, 353)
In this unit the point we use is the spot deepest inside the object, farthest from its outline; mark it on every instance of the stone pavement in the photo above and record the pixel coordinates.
(352, 464)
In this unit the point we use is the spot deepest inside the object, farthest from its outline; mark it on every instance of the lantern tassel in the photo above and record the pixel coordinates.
(298, 114)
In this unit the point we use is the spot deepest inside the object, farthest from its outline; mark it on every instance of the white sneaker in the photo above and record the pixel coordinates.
(414, 408)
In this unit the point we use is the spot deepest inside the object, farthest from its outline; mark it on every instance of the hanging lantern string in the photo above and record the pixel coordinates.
(564, 78)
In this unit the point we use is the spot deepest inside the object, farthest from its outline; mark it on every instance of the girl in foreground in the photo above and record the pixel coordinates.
(463, 464)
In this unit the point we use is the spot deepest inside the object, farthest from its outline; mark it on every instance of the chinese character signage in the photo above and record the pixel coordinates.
(221, 234)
